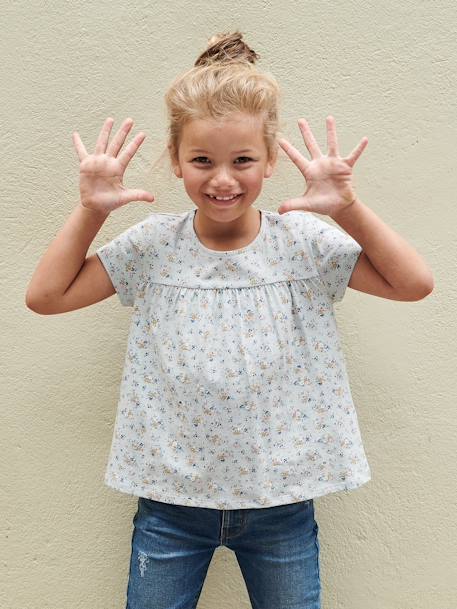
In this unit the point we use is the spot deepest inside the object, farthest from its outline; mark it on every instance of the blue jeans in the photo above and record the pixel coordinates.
(277, 549)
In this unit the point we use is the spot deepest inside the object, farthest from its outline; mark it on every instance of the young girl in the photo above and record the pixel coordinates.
(235, 409)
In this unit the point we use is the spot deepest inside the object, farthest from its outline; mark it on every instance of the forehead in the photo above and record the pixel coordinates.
(241, 130)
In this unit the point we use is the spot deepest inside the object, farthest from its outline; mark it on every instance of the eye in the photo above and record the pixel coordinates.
(202, 159)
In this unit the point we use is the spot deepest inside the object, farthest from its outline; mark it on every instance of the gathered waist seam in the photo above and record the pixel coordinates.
(201, 287)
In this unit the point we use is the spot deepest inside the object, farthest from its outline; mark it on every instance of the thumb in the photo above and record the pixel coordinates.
(134, 194)
(299, 203)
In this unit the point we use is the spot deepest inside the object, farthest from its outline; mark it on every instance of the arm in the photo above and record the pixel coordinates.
(53, 288)
(388, 266)
(64, 279)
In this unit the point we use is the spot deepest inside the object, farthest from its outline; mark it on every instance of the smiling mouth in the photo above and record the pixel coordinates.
(224, 201)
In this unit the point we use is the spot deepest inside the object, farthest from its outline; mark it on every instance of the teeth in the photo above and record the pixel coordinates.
(223, 198)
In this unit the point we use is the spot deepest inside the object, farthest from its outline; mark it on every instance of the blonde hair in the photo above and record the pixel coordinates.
(223, 80)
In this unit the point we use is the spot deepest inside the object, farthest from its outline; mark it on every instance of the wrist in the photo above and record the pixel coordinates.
(95, 213)
(347, 209)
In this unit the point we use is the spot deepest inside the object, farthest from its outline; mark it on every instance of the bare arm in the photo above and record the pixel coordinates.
(389, 266)
(64, 261)
(65, 279)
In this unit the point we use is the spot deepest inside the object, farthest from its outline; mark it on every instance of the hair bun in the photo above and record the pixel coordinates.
(226, 47)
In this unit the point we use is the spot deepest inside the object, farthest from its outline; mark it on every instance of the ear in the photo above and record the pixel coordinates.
(177, 170)
(269, 168)
(175, 163)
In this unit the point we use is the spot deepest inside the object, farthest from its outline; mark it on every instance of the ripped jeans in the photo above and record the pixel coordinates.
(277, 549)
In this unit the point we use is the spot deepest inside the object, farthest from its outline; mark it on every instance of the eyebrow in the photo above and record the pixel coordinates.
(236, 152)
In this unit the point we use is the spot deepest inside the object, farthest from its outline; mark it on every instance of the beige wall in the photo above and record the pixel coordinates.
(384, 70)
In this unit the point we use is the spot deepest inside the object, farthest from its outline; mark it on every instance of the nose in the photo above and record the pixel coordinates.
(222, 178)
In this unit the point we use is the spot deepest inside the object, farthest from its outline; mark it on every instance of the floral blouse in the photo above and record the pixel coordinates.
(234, 392)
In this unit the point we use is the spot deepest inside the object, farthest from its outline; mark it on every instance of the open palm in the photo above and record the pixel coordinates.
(101, 173)
(329, 186)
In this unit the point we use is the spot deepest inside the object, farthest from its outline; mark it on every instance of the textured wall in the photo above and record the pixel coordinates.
(384, 70)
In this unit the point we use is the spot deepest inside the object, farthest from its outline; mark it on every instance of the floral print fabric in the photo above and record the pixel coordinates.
(234, 392)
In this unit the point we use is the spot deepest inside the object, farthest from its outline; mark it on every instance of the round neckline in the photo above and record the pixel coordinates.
(241, 250)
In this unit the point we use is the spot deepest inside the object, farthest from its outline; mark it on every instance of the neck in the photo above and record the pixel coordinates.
(234, 234)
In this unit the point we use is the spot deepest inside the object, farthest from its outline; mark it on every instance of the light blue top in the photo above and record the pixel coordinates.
(234, 392)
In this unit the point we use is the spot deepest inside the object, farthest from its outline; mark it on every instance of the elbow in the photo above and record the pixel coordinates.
(31, 304)
(35, 305)
(424, 289)
(428, 285)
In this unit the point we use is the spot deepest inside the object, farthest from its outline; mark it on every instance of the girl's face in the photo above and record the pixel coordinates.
(223, 159)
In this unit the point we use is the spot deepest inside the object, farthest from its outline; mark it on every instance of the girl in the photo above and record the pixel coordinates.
(235, 409)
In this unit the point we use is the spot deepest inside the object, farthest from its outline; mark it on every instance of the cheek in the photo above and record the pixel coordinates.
(192, 177)
(255, 178)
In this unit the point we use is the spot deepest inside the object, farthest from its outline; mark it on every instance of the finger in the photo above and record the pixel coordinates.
(80, 148)
(299, 203)
(309, 138)
(294, 155)
(119, 139)
(332, 141)
(102, 140)
(126, 156)
(352, 158)
(134, 194)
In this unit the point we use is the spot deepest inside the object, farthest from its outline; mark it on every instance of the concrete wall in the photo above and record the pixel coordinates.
(384, 70)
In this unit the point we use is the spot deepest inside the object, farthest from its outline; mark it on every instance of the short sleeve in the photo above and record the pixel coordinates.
(335, 254)
(123, 259)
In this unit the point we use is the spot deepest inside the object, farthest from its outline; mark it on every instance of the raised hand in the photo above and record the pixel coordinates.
(102, 172)
(329, 186)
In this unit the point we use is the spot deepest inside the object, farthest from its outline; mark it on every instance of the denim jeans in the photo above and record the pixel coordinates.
(277, 549)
